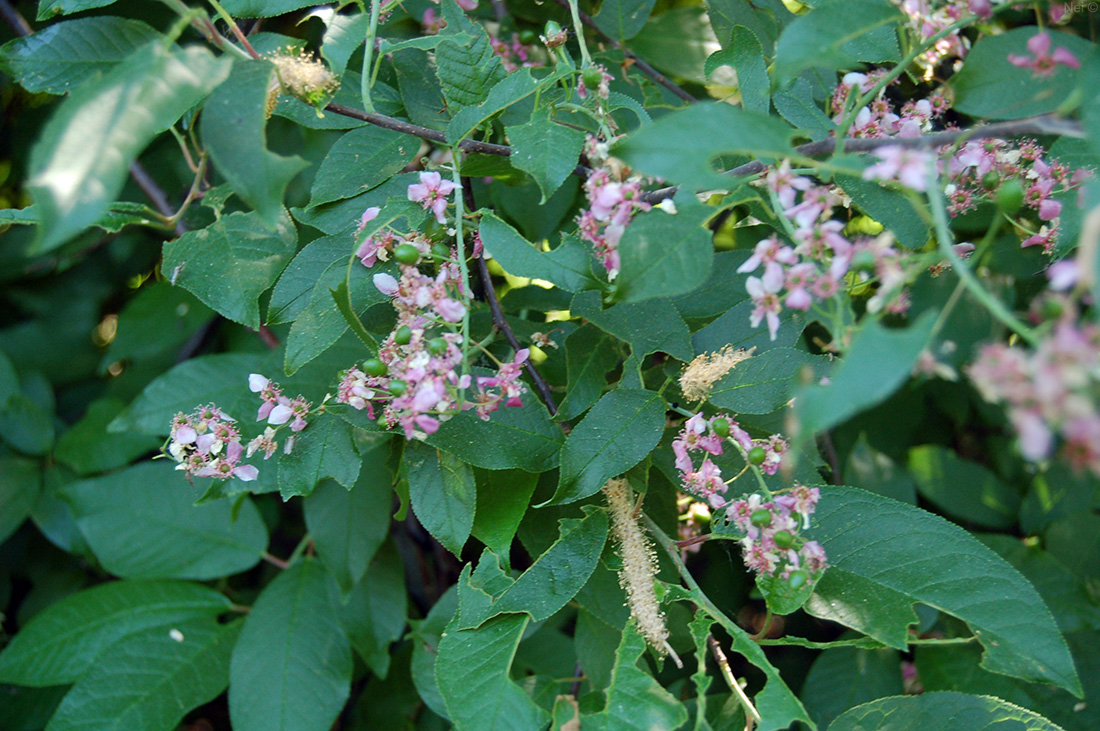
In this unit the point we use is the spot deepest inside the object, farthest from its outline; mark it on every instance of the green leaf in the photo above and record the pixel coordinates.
(989, 86)
(745, 55)
(649, 327)
(940, 710)
(374, 613)
(619, 431)
(472, 671)
(151, 679)
(550, 582)
(876, 364)
(502, 500)
(64, 55)
(142, 523)
(443, 494)
(344, 35)
(63, 641)
(662, 149)
(895, 555)
(796, 105)
(634, 699)
(49, 8)
(545, 150)
(263, 8)
(964, 490)
(568, 266)
(82, 159)
(360, 160)
(515, 437)
(467, 69)
(622, 19)
(88, 447)
(294, 290)
(231, 262)
(888, 208)
(20, 482)
(348, 526)
(155, 323)
(677, 42)
(220, 379)
(25, 425)
(233, 126)
(291, 669)
(844, 677)
(512, 88)
(589, 356)
(420, 89)
(766, 382)
(324, 449)
(812, 40)
(663, 255)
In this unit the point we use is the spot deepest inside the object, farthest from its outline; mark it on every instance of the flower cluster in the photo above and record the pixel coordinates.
(927, 20)
(603, 85)
(880, 118)
(431, 192)
(700, 434)
(278, 410)
(1053, 391)
(773, 544)
(1042, 62)
(206, 443)
(611, 204)
(514, 54)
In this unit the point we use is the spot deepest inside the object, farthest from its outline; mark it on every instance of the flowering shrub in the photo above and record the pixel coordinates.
(758, 339)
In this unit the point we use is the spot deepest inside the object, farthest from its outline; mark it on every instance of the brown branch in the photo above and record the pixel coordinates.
(499, 320)
(18, 24)
(1046, 124)
(639, 62)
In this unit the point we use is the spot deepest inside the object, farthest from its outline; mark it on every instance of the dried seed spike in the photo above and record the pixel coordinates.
(703, 372)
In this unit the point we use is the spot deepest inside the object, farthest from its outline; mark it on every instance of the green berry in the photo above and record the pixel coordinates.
(757, 455)
(592, 77)
(441, 251)
(374, 367)
(797, 579)
(990, 180)
(397, 388)
(437, 346)
(527, 37)
(761, 518)
(1052, 309)
(1010, 196)
(403, 335)
(721, 427)
(406, 254)
(783, 539)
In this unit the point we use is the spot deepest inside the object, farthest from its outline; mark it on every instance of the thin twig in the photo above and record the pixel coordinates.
(752, 716)
(18, 24)
(644, 67)
(499, 320)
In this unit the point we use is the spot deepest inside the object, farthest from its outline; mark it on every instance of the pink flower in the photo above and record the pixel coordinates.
(369, 215)
(449, 309)
(467, 4)
(908, 167)
(1044, 62)
(385, 283)
(764, 296)
(1063, 275)
(432, 192)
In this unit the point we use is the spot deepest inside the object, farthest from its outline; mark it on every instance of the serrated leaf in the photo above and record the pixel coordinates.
(360, 160)
(88, 448)
(64, 55)
(893, 555)
(766, 382)
(231, 262)
(502, 500)
(551, 581)
(663, 255)
(663, 149)
(82, 159)
(513, 88)
(233, 126)
(812, 40)
(295, 287)
(20, 482)
(940, 710)
(589, 355)
(622, 19)
(443, 494)
(291, 669)
(963, 489)
(142, 523)
(635, 700)
(263, 8)
(889, 209)
(324, 449)
(472, 671)
(546, 151)
(843, 677)
(515, 437)
(344, 35)
(648, 327)
(745, 55)
(151, 679)
(568, 266)
(349, 525)
(467, 69)
(63, 641)
(876, 364)
(619, 431)
(49, 8)
(796, 105)
(373, 614)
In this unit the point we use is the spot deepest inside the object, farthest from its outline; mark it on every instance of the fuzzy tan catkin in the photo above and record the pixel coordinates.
(707, 368)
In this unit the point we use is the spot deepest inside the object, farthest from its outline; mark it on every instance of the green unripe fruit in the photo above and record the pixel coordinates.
(403, 335)
(990, 180)
(437, 346)
(374, 367)
(1052, 309)
(757, 455)
(797, 579)
(552, 28)
(1010, 196)
(441, 251)
(397, 388)
(761, 518)
(592, 77)
(784, 539)
(406, 254)
(527, 37)
(721, 427)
